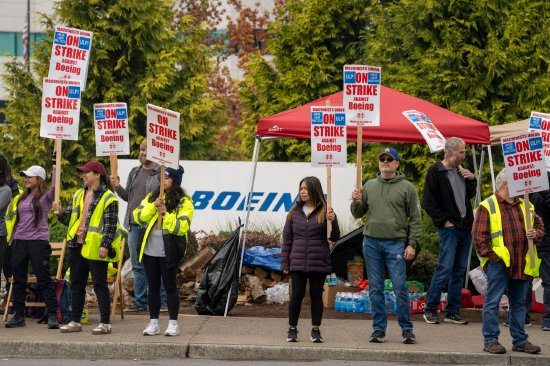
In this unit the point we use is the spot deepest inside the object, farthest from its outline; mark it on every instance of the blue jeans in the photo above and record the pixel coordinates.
(498, 281)
(378, 254)
(454, 249)
(140, 280)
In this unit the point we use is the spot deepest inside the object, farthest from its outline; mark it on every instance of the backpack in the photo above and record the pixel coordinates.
(63, 296)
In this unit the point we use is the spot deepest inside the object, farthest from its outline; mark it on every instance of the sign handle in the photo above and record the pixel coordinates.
(161, 195)
(57, 187)
(329, 199)
(113, 161)
(359, 157)
(528, 224)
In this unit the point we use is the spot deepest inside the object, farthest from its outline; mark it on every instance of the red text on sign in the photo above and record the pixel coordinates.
(354, 89)
(525, 158)
(69, 52)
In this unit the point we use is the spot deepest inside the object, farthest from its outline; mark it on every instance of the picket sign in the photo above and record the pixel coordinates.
(434, 138)
(541, 122)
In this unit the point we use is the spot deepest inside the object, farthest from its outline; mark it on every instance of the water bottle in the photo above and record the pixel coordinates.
(360, 305)
(338, 302)
(349, 302)
(367, 306)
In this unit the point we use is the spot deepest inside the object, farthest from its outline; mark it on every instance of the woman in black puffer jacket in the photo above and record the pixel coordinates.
(306, 253)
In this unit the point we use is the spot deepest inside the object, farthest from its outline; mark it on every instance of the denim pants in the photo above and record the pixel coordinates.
(379, 254)
(140, 279)
(454, 249)
(498, 282)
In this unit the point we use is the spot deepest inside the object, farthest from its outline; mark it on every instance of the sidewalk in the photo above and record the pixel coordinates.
(234, 338)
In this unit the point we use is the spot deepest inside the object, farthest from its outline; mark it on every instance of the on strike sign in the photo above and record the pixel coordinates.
(60, 109)
(431, 134)
(525, 165)
(362, 95)
(111, 129)
(541, 122)
(328, 136)
(163, 136)
(70, 54)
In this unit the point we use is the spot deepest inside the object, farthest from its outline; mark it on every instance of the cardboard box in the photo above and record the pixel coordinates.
(329, 293)
(417, 306)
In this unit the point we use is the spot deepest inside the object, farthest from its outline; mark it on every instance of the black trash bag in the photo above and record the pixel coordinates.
(220, 276)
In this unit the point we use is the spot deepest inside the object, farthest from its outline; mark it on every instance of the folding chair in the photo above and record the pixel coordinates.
(58, 250)
(118, 298)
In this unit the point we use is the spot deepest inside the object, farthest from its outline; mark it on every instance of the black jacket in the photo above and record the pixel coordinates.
(541, 201)
(439, 201)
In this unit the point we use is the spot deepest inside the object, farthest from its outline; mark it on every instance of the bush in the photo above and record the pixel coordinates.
(423, 268)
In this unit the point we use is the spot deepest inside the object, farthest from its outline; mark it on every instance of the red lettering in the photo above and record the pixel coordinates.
(61, 91)
(328, 119)
(72, 41)
(110, 113)
(162, 120)
(522, 146)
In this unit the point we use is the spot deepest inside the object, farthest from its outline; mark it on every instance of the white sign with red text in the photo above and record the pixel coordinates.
(70, 54)
(525, 163)
(328, 137)
(111, 129)
(434, 138)
(163, 136)
(541, 122)
(60, 109)
(362, 95)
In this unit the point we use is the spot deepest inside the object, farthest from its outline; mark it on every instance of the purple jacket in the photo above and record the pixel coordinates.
(305, 245)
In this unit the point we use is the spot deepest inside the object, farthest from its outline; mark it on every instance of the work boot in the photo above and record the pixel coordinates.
(526, 347)
(16, 321)
(494, 347)
(52, 322)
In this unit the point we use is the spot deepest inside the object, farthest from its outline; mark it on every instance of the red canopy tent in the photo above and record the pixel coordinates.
(394, 127)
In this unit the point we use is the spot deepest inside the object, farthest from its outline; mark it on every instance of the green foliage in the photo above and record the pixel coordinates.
(423, 267)
(140, 54)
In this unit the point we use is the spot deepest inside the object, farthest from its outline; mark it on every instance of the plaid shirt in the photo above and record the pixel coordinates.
(513, 229)
(110, 218)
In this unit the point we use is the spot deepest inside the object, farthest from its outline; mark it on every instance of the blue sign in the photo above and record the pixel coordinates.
(121, 113)
(340, 119)
(60, 38)
(349, 77)
(509, 148)
(100, 114)
(413, 117)
(535, 122)
(535, 143)
(317, 118)
(374, 78)
(84, 43)
(74, 92)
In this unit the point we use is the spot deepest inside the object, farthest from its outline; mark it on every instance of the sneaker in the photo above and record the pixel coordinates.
(134, 308)
(173, 329)
(408, 336)
(545, 328)
(71, 327)
(164, 308)
(378, 337)
(455, 318)
(52, 322)
(15, 322)
(152, 329)
(102, 328)
(316, 336)
(526, 347)
(292, 335)
(494, 347)
(431, 317)
(506, 323)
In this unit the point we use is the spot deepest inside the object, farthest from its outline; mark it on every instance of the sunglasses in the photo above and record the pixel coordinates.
(388, 159)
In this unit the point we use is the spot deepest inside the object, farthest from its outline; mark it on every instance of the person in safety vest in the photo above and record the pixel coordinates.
(9, 192)
(93, 239)
(501, 238)
(30, 241)
(161, 249)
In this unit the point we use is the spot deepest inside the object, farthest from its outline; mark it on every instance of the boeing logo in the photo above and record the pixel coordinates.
(233, 200)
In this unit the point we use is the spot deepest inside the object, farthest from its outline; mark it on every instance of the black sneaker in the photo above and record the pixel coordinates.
(431, 317)
(135, 308)
(292, 335)
(15, 322)
(378, 337)
(408, 336)
(52, 322)
(455, 318)
(316, 336)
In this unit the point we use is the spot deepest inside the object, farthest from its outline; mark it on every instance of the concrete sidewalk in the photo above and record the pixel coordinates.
(234, 338)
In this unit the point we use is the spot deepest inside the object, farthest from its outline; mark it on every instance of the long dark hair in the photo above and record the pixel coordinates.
(5, 172)
(173, 197)
(36, 207)
(315, 192)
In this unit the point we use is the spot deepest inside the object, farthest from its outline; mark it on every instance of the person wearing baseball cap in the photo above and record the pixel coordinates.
(93, 239)
(31, 242)
(162, 249)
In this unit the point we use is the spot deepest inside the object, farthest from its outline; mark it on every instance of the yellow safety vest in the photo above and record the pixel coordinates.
(11, 215)
(491, 204)
(94, 232)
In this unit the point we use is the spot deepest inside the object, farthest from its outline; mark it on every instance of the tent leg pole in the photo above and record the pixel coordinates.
(491, 167)
(476, 171)
(255, 155)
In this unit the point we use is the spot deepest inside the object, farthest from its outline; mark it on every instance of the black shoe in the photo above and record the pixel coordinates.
(316, 336)
(292, 335)
(52, 322)
(135, 308)
(408, 336)
(431, 317)
(16, 321)
(378, 337)
(455, 318)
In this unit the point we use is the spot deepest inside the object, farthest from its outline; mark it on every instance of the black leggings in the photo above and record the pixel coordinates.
(316, 283)
(155, 269)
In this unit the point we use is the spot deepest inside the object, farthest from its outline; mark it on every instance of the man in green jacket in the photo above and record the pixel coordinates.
(392, 231)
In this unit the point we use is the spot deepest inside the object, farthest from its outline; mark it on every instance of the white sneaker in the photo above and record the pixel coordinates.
(173, 329)
(152, 328)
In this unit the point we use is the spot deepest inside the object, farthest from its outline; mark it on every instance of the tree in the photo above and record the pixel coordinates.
(140, 54)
